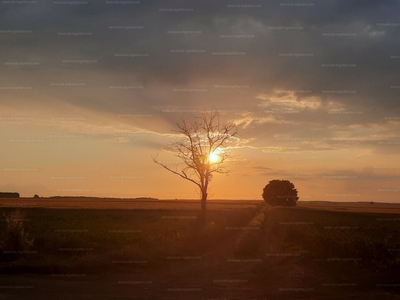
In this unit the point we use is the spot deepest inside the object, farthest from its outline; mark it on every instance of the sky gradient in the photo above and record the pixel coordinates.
(90, 90)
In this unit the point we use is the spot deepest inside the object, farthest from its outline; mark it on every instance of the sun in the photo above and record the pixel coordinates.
(214, 157)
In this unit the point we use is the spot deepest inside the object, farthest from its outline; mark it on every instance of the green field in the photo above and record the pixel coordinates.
(90, 240)
(256, 252)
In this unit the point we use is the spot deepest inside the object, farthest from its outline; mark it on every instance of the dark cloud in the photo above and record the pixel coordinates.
(339, 52)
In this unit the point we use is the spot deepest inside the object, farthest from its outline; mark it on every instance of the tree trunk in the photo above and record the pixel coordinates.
(203, 201)
(202, 218)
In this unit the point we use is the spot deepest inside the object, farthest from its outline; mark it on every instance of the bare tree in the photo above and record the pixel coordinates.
(203, 150)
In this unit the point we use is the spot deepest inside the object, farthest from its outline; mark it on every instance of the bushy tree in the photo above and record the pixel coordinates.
(280, 192)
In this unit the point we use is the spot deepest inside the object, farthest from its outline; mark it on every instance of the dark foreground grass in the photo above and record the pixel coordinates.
(331, 251)
(295, 247)
(364, 239)
(93, 241)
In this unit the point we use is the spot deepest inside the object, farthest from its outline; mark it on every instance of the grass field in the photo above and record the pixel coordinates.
(245, 251)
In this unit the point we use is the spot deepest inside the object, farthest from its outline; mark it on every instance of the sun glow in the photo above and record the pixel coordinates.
(214, 157)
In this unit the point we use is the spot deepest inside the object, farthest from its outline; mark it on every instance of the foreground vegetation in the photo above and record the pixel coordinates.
(278, 251)
(101, 240)
(348, 248)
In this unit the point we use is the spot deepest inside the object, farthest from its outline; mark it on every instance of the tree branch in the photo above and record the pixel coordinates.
(184, 175)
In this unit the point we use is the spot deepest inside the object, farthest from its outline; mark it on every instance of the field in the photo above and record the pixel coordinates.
(103, 249)
(96, 203)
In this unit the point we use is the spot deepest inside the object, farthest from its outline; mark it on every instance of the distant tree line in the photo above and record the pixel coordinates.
(108, 198)
(9, 195)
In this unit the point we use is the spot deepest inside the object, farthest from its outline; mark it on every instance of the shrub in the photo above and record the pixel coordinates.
(14, 238)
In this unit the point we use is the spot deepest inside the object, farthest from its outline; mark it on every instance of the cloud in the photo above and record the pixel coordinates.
(295, 79)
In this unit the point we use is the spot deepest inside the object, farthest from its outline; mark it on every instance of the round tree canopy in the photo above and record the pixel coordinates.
(280, 192)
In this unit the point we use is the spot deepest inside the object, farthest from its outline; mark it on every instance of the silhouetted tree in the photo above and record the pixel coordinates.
(203, 150)
(280, 192)
(9, 195)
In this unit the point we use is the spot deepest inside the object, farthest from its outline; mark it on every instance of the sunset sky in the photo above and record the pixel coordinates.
(90, 90)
